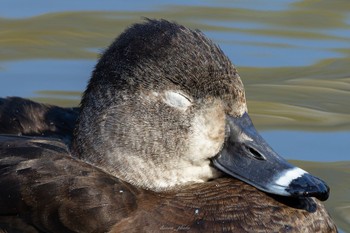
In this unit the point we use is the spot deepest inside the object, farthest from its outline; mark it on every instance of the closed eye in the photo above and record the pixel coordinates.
(177, 100)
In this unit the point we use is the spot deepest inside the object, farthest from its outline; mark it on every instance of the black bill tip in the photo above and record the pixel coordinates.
(308, 186)
(298, 183)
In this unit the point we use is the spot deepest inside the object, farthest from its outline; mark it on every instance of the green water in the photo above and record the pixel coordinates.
(293, 57)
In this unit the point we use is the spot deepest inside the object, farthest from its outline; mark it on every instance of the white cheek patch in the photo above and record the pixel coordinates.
(289, 175)
(176, 100)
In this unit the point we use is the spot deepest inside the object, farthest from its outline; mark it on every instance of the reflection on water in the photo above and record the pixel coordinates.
(293, 57)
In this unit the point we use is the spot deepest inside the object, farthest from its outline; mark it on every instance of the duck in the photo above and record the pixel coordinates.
(161, 142)
(19, 116)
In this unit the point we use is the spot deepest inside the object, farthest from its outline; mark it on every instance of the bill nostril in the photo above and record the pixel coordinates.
(254, 153)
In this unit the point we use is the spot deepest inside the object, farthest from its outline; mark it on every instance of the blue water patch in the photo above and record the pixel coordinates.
(341, 33)
(347, 20)
(38, 7)
(261, 5)
(245, 49)
(311, 146)
(263, 56)
(17, 77)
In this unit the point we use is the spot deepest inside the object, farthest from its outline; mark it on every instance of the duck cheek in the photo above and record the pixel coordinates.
(208, 133)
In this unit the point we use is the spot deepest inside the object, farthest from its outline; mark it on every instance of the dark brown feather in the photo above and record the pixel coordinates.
(20, 116)
(44, 189)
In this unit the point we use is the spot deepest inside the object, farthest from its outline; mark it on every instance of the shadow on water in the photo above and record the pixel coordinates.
(293, 57)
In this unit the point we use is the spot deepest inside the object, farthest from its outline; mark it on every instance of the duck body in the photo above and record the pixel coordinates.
(44, 189)
(162, 142)
(20, 116)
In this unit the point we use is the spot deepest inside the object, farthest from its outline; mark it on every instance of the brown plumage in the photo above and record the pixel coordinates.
(42, 185)
(162, 125)
(25, 117)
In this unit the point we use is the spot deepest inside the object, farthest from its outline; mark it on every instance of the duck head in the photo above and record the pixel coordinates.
(165, 108)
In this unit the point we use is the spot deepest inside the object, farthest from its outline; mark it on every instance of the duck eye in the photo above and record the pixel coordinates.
(177, 100)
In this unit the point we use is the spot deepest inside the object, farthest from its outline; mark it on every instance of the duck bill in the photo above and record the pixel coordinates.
(248, 157)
